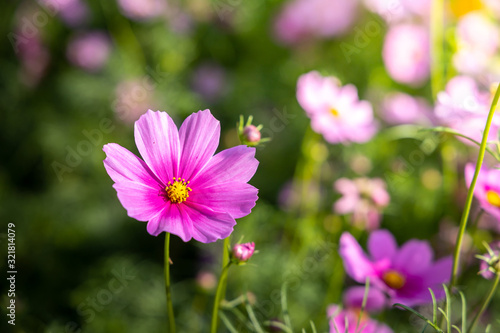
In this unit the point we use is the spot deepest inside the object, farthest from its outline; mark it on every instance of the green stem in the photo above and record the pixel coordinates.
(437, 47)
(218, 297)
(470, 193)
(170, 308)
(485, 304)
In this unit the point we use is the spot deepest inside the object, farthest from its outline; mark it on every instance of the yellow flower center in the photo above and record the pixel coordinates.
(493, 198)
(177, 190)
(334, 112)
(394, 279)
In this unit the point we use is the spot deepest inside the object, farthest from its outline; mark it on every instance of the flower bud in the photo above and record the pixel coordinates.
(243, 252)
(490, 262)
(251, 133)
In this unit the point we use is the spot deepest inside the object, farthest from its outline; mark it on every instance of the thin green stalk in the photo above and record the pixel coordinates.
(218, 297)
(170, 308)
(470, 193)
(485, 304)
(437, 47)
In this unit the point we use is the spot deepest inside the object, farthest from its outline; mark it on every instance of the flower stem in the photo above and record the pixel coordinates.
(485, 304)
(470, 193)
(218, 297)
(170, 308)
(437, 47)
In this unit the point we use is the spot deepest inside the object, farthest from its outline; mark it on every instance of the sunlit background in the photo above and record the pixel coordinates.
(77, 74)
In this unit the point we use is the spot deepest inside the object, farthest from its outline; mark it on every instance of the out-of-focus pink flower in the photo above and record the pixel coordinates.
(302, 19)
(396, 11)
(339, 317)
(72, 12)
(465, 108)
(490, 262)
(335, 111)
(487, 189)
(375, 300)
(133, 98)
(404, 273)
(181, 187)
(406, 53)
(364, 198)
(206, 280)
(243, 252)
(401, 108)
(477, 39)
(34, 58)
(89, 51)
(210, 81)
(493, 6)
(142, 10)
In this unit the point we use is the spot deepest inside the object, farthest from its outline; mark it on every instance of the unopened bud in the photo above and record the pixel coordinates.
(251, 133)
(243, 252)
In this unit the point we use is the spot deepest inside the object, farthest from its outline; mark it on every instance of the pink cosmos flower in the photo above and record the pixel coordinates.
(396, 11)
(406, 54)
(89, 51)
(463, 107)
(301, 19)
(401, 108)
(364, 198)
(335, 111)
(375, 300)
(404, 273)
(243, 252)
(487, 189)
(181, 187)
(339, 317)
(142, 10)
(477, 40)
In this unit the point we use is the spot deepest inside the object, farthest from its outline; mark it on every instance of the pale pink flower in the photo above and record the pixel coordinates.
(401, 108)
(406, 53)
(400, 10)
(302, 19)
(335, 111)
(338, 318)
(142, 10)
(364, 198)
(463, 107)
(89, 51)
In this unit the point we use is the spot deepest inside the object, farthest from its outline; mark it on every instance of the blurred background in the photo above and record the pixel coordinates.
(76, 74)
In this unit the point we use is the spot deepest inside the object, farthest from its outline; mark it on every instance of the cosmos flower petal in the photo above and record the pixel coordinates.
(356, 263)
(375, 300)
(141, 201)
(243, 197)
(415, 256)
(382, 245)
(157, 139)
(237, 164)
(439, 272)
(122, 165)
(199, 138)
(208, 225)
(170, 219)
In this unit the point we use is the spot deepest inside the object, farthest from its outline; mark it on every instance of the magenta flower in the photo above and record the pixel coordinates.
(375, 300)
(301, 19)
(364, 198)
(404, 273)
(487, 189)
(181, 187)
(464, 107)
(406, 54)
(243, 252)
(339, 317)
(335, 111)
(89, 51)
